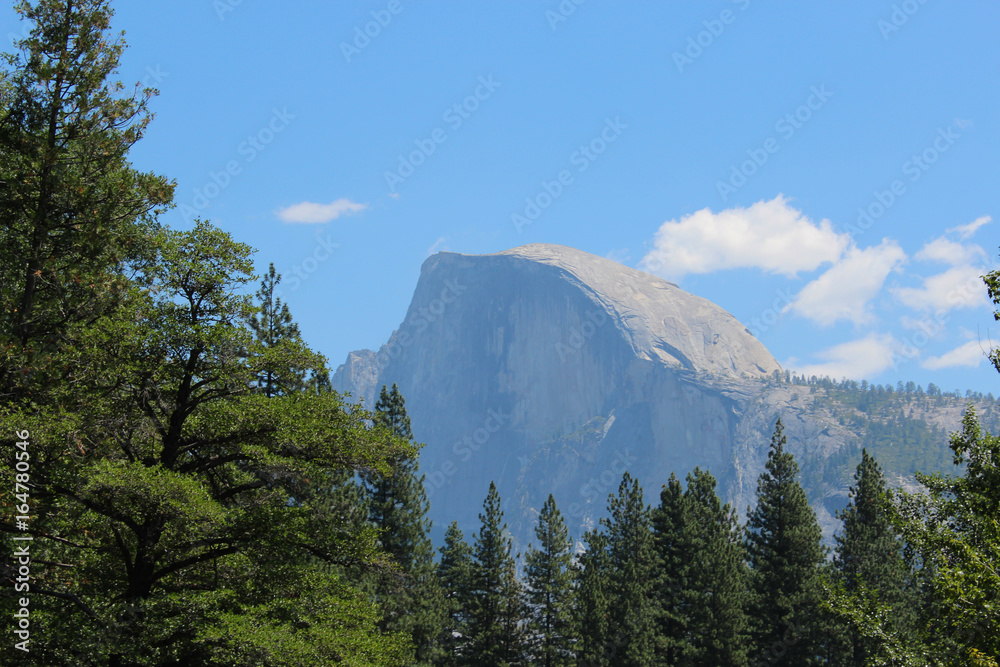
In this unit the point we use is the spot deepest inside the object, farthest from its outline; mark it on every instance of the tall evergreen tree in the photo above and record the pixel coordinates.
(391, 410)
(274, 328)
(186, 547)
(159, 482)
(498, 610)
(868, 559)
(593, 602)
(672, 535)
(412, 600)
(785, 553)
(549, 580)
(701, 583)
(455, 573)
(633, 568)
(75, 217)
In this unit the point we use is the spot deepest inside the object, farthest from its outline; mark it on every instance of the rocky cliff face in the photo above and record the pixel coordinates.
(550, 370)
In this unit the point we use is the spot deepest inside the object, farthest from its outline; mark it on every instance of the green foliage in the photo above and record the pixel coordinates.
(784, 551)
(274, 329)
(632, 569)
(896, 426)
(549, 581)
(953, 531)
(593, 602)
(409, 595)
(701, 584)
(74, 215)
(308, 618)
(456, 575)
(157, 467)
(869, 561)
(390, 410)
(498, 610)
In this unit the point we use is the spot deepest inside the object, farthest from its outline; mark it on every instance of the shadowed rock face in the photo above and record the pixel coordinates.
(550, 370)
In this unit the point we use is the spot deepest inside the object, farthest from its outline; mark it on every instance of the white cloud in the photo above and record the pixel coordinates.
(769, 235)
(311, 213)
(845, 289)
(958, 287)
(972, 354)
(965, 231)
(854, 359)
(949, 252)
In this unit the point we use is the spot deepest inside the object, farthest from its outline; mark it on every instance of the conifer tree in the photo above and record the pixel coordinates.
(868, 559)
(701, 582)
(274, 328)
(671, 527)
(785, 554)
(455, 573)
(593, 601)
(549, 579)
(75, 217)
(632, 567)
(498, 610)
(398, 506)
(160, 482)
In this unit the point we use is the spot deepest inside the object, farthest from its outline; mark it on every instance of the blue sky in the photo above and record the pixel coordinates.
(825, 171)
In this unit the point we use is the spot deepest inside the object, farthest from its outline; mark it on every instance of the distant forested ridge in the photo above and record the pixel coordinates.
(182, 486)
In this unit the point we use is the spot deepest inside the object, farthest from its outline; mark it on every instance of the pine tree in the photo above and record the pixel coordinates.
(75, 217)
(498, 610)
(701, 583)
(398, 501)
(274, 328)
(672, 526)
(455, 573)
(593, 601)
(412, 600)
(786, 556)
(549, 575)
(633, 568)
(391, 411)
(868, 558)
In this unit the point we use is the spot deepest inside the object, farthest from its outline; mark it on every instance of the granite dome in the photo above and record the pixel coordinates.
(659, 320)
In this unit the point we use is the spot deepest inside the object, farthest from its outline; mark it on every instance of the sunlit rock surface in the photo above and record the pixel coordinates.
(550, 370)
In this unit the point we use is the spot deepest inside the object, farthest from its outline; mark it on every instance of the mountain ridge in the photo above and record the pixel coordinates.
(547, 370)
